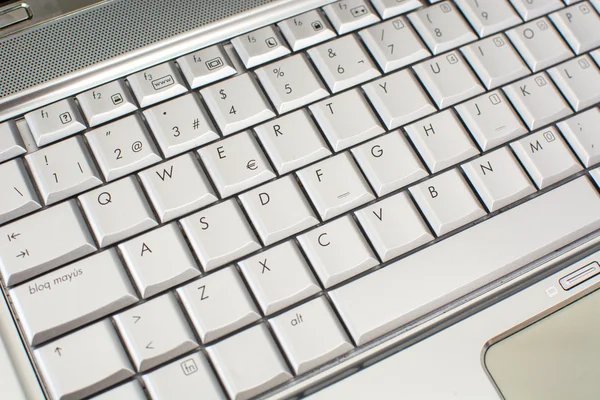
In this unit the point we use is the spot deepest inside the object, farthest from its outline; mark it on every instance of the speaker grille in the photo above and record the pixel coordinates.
(97, 34)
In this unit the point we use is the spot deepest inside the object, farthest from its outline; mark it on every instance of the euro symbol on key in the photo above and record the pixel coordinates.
(104, 198)
(251, 165)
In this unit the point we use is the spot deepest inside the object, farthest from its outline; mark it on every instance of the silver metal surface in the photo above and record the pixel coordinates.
(63, 76)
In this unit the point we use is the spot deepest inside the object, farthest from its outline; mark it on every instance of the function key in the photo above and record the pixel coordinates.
(106, 102)
(306, 30)
(206, 66)
(350, 15)
(156, 84)
(54, 122)
(391, 8)
(260, 46)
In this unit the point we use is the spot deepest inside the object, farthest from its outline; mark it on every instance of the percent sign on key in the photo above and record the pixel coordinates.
(278, 72)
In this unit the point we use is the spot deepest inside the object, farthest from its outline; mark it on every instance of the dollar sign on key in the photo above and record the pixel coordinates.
(222, 93)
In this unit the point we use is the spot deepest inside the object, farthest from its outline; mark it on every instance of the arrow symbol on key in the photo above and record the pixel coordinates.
(58, 350)
(13, 236)
(23, 254)
(149, 346)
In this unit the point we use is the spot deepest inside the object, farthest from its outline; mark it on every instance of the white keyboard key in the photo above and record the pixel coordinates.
(448, 79)
(219, 234)
(127, 391)
(596, 55)
(260, 46)
(350, 15)
(279, 277)
(442, 27)
(306, 30)
(117, 211)
(498, 179)
(155, 332)
(530, 9)
(596, 3)
(106, 102)
(581, 133)
(394, 226)
(540, 45)
(177, 187)
(398, 98)
(337, 251)
(184, 379)
(335, 185)
(180, 125)
(18, 195)
(343, 63)
(389, 163)
(595, 174)
(218, 304)
(537, 100)
(45, 305)
(122, 147)
(278, 209)
(311, 335)
(488, 16)
(579, 81)
(441, 140)
(546, 157)
(391, 8)
(346, 119)
(447, 202)
(249, 363)
(491, 119)
(579, 25)
(54, 122)
(237, 103)
(43, 241)
(84, 362)
(11, 144)
(440, 274)
(63, 170)
(292, 141)
(291, 83)
(394, 44)
(156, 84)
(159, 260)
(206, 66)
(495, 61)
(236, 164)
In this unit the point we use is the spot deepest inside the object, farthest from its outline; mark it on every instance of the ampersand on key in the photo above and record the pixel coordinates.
(331, 53)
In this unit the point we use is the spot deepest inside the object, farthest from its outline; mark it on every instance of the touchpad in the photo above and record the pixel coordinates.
(556, 357)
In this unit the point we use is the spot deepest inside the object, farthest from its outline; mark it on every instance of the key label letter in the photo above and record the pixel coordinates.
(319, 174)
(264, 198)
(376, 151)
(432, 192)
(145, 248)
(322, 241)
(204, 223)
(264, 266)
(427, 130)
(536, 147)
(486, 167)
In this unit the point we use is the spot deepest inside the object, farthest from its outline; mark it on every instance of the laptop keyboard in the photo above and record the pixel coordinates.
(226, 223)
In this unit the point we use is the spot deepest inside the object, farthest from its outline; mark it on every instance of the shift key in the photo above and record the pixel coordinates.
(72, 296)
(43, 241)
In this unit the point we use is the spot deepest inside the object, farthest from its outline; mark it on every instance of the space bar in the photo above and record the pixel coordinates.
(418, 284)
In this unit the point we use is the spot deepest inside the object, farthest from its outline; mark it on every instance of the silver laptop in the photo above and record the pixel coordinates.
(349, 199)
